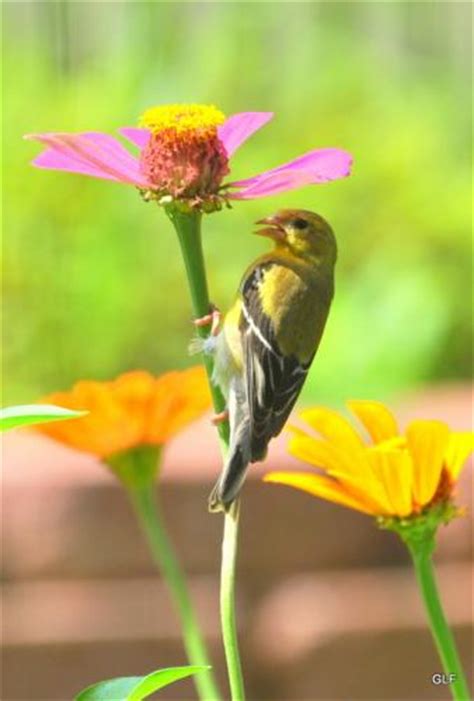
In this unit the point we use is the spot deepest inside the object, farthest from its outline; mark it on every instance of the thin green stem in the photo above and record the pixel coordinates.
(440, 630)
(149, 516)
(227, 598)
(188, 228)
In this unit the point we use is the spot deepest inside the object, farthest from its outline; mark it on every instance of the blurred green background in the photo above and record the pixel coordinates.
(93, 280)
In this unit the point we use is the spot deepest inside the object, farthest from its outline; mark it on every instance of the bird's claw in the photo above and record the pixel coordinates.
(213, 319)
(220, 418)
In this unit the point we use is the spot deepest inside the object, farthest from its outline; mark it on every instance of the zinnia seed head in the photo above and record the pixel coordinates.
(184, 157)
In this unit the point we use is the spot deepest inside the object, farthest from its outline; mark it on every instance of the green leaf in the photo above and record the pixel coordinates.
(136, 688)
(30, 414)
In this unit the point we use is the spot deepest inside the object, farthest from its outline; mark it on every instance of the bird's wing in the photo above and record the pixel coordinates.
(274, 380)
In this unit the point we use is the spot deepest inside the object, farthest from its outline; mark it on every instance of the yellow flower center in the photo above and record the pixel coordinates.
(184, 157)
(182, 118)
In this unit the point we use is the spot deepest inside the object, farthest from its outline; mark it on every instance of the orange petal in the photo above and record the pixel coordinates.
(133, 392)
(427, 442)
(103, 431)
(460, 446)
(132, 410)
(319, 486)
(395, 470)
(179, 399)
(376, 418)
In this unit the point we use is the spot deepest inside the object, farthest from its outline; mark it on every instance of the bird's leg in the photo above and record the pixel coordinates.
(213, 319)
(220, 418)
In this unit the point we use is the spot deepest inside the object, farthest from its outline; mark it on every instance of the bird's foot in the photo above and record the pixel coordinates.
(213, 319)
(220, 418)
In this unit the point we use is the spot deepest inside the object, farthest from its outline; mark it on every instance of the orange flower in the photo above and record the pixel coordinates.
(133, 410)
(393, 475)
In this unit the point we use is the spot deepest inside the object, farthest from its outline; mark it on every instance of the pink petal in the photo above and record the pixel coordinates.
(139, 137)
(116, 157)
(314, 167)
(54, 160)
(90, 153)
(240, 127)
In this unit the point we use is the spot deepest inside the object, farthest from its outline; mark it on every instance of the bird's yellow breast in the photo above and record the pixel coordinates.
(232, 335)
(296, 297)
(228, 358)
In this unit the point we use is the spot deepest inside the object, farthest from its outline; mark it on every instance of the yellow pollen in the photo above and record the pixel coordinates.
(182, 118)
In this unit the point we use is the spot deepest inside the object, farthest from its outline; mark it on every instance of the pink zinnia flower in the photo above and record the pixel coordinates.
(184, 153)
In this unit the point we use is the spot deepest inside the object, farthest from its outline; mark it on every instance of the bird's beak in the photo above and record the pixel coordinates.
(272, 228)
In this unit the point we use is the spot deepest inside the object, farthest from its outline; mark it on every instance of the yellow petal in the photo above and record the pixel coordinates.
(395, 469)
(427, 442)
(351, 467)
(376, 418)
(460, 446)
(332, 426)
(296, 430)
(313, 451)
(319, 486)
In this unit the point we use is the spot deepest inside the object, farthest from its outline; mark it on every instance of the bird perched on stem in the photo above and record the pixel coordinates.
(269, 338)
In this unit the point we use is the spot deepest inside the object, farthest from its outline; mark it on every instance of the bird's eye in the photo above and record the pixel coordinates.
(300, 223)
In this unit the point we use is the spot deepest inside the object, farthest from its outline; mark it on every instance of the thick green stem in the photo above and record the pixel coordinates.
(443, 637)
(149, 515)
(228, 622)
(188, 228)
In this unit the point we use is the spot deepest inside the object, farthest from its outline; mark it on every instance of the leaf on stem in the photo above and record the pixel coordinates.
(136, 688)
(30, 414)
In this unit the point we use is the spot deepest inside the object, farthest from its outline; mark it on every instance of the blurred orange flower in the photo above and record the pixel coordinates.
(393, 475)
(133, 410)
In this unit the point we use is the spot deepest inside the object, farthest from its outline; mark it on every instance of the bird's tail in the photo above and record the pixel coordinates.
(230, 481)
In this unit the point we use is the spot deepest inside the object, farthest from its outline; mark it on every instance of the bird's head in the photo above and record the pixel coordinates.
(304, 233)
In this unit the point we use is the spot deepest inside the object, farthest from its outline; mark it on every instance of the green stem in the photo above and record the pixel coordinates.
(148, 513)
(443, 637)
(228, 622)
(188, 228)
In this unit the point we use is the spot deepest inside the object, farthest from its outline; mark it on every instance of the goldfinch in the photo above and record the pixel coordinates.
(269, 338)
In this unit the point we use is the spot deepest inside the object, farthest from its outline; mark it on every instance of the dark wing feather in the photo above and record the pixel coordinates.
(274, 381)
